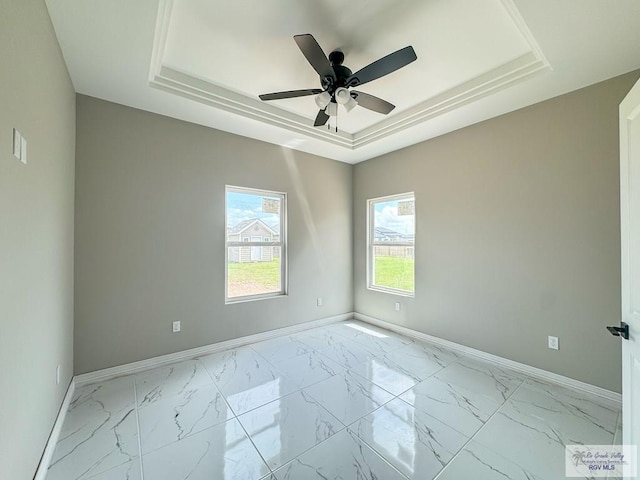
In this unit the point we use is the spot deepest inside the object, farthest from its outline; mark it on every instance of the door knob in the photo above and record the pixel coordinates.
(621, 331)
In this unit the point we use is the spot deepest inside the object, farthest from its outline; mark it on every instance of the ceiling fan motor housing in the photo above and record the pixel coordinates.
(342, 73)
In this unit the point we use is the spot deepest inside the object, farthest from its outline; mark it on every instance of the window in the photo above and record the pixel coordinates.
(391, 238)
(256, 244)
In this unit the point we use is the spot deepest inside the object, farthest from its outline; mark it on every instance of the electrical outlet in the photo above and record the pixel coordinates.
(176, 326)
(553, 343)
(58, 375)
(17, 143)
(23, 150)
(319, 302)
(397, 306)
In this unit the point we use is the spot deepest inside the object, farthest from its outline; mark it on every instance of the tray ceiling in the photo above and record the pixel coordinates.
(206, 61)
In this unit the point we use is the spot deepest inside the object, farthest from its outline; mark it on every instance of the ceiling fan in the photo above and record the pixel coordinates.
(336, 80)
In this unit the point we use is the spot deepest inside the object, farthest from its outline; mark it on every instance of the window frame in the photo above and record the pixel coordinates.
(282, 243)
(371, 244)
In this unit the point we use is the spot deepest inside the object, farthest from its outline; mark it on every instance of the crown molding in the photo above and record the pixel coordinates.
(206, 92)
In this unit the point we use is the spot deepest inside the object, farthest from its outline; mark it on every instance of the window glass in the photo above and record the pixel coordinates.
(256, 260)
(391, 244)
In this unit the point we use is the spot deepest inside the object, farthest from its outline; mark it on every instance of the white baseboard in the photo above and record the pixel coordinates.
(534, 372)
(142, 365)
(544, 375)
(135, 367)
(47, 455)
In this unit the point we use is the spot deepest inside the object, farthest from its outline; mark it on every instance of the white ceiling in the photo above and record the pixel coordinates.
(206, 61)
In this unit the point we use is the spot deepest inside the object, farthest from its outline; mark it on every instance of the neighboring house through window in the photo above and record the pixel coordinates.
(255, 244)
(391, 240)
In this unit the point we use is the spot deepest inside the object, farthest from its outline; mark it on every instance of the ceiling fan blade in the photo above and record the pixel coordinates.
(314, 54)
(383, 66)
(373, 103)
(321, 119)
(289, 94)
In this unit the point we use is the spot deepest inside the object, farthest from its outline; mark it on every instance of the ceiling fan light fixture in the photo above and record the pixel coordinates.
(323, 99)
(332, 109)
(342, 96)
(350, 105)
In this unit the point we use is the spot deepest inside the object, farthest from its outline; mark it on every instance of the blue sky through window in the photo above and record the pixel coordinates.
(247, 206)
(386, 216)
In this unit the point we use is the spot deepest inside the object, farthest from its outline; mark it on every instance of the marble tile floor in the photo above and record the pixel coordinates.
(345, 401)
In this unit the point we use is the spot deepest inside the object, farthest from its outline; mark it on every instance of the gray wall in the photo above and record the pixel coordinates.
(517, 228)
(36, 234)
(150, 234)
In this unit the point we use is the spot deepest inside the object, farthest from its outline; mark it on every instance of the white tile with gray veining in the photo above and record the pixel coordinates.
(529, 441)
(495, 383)
(223, 452)
(285, 428)
(461, 408)
(127, 471)
(345, 401)
(479, 463)
(415, 443)
(320, 338)
(617, 439)
(281, 348)
(396, 373)
(342, 457)
(340, 349)
(246, 379)
(373, 339)
(440, 355)
(557, 415)
(353, 329)
(309, 368)
(578, 414)
(99, 433)
(172, 419)
(348, 396)
(165, 382)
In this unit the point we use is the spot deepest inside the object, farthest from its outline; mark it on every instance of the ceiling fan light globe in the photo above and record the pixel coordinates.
(323, 99)
(332, 109)
(350, 105)
(343, 96)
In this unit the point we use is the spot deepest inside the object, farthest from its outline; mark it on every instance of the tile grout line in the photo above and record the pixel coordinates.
(173, 442)
(135, 397)
(397, 397)
(235, 415)
(254, 446)
(344, 427)
(478, 432)
(299, 390)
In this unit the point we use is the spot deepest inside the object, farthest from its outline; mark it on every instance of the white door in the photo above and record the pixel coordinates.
(630, 232)
(256, 252)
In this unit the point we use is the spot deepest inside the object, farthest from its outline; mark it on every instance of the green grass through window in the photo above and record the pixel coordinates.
(394, 272)
(253, 278)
